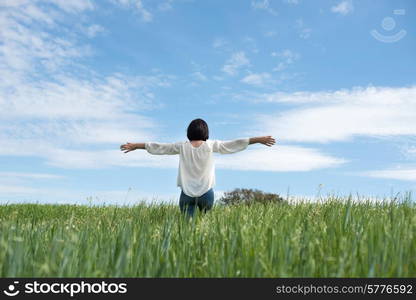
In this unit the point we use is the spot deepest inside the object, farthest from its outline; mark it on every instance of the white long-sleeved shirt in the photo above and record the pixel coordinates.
(196, 174)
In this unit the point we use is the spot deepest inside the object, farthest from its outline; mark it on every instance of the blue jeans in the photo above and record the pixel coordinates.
(187, 204)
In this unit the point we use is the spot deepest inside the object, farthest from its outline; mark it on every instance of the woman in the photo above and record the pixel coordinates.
(196, 175)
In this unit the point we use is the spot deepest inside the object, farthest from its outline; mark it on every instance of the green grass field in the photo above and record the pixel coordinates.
(329, 239)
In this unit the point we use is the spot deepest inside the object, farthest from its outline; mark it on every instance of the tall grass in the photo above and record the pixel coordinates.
(334, 238)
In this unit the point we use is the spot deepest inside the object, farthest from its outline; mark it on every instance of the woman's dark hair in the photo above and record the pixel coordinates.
(198, 130)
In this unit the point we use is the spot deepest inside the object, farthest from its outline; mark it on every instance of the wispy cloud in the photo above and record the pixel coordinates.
(287, 58)
(20, 193)
(304, 32)
(21, 183)
(341, 115)
(29, 175)
(251, 44)
(235, 62)
(25, 47)
(263, 5)
(73, 6)
(98, 98)
(343, 7)
(137, 5)
(72, 159)
(18, 190)
(294, 2)
(199, 76)
(221, 44)
(408, 174)
(52, 102)
(93, 30)
(279, 158)
(409, 150)
(270, 33)
(165, 5)
(258, 79)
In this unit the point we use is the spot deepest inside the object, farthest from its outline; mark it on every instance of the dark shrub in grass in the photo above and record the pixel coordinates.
(249, 196)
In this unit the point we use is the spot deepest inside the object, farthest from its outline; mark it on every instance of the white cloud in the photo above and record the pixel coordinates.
(20, 193)
(64, 120)
(26, 48)
(409, 151)
(341, 115)
(73, 6)
(74, 112)
(287, 58)
(93, 30)
(138, 6)
(29, 175)
(199, 76)
(270, 33)
(11, 3)
(343, 8)
(16, 190)
(303, 31)
(408, 174)
(263, 5)
(220, 43)
(166, 5)
(145, 14)
(198, 72)
(71, 98)
(237, 61)
(51, 104)
(295, 2)
(251, 43)
(71, 159)
(279, 158)
(12, 183)
(257, 79)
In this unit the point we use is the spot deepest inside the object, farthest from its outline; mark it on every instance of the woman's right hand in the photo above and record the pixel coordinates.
(267, 140)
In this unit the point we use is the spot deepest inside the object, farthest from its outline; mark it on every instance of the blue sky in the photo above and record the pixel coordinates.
(332, 81)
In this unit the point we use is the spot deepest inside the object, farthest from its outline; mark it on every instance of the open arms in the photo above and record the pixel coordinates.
(219, 146)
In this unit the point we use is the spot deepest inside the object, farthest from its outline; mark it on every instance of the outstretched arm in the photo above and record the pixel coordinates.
(131, 147)
(265, 140)
(153, 148)
(226, 147)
